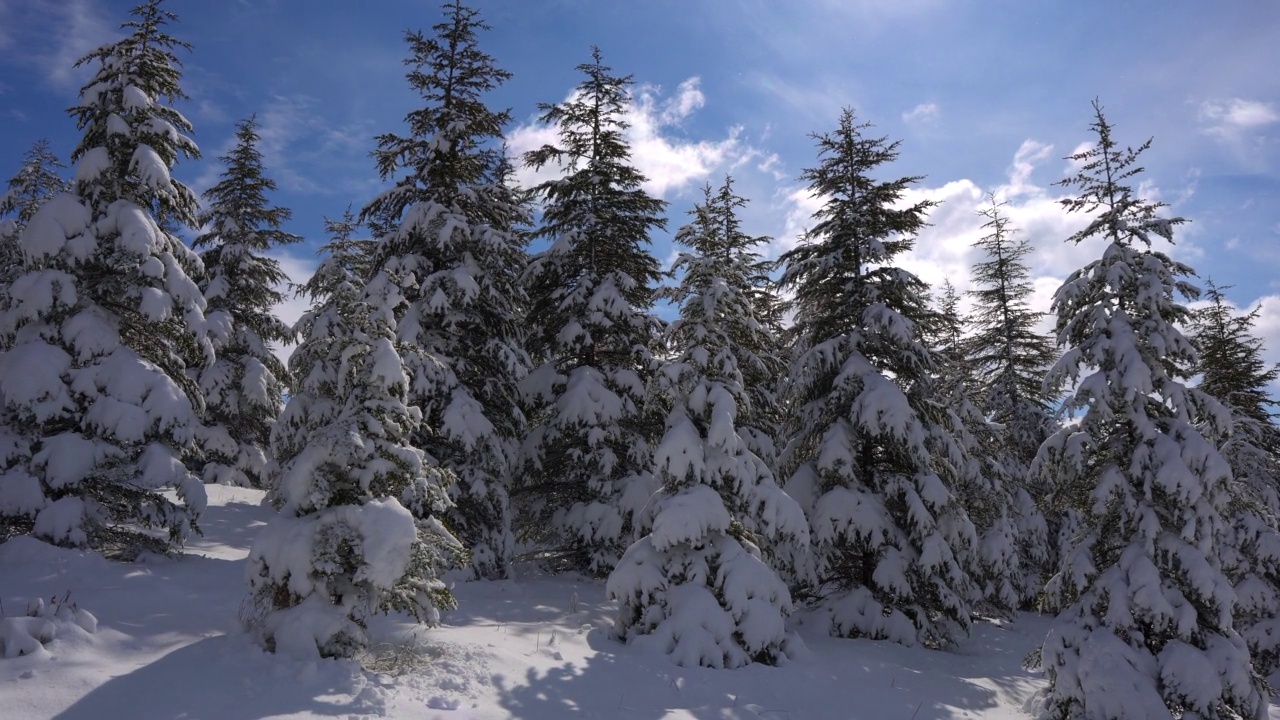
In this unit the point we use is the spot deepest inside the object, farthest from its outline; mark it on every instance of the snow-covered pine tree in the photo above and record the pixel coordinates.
(1145, 629)
(36, 181)
(1233, 372)
(105, 320)
(696, 581)
(867, 441)
(453, 245)
(981, 480)
(357, 533)
(590, 293)
(244, 387)
(1008, 358)
(292, 430)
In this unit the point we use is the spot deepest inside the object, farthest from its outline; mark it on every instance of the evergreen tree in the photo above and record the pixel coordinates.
(356, 533)
(452, 248)
(593, 333)
(244, 387)
(1146, 623)
(1009, 358)
(864, 428)
(716, 234)
(696, 580)
(105, 320)
(35, 182)
(1233, 372)
(982, 480)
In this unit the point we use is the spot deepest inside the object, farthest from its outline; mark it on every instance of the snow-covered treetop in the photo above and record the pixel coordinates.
(597, 216)
(238, 212)
(1119, 214)
(1231, 364)
(451, 150)
(131, 139)
(843, 264)
(35, 181)
(1007, 352)
(1119, 313)
(727, 304)
(239, 226)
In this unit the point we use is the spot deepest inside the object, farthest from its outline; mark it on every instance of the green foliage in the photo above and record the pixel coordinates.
(590, 295)
(244, 387)
(450, 241)
(867, 435)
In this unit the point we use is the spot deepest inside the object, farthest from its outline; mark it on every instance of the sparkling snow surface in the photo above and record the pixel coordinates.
(167, 646)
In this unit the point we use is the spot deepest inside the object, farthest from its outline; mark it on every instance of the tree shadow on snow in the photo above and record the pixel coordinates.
(847, 679)
(227, 678)
(234, 524)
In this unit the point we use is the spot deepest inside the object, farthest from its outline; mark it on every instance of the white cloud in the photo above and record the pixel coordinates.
(1242, 126)
(299, 270)
(54, 35)
(303, 151)
(1228, 117)
(669, 161)
(1074, 164)
(925, 113)
(1030, 154)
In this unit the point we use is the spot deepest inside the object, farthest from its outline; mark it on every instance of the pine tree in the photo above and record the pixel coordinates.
(593, 333)
(1146, 625)
(696, 580)
(864, 428)
(1009, 358)
(35, 182)
(1233, 372)
(244, 387)
(106, 321)
(356, 532)
(982, 481)
(453, 250)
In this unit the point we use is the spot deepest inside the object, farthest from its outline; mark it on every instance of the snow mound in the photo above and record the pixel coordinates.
(29, 635)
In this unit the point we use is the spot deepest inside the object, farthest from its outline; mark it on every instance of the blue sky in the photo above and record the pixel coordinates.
(985, 97)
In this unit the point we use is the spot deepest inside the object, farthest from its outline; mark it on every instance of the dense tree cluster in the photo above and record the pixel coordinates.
(485, 377)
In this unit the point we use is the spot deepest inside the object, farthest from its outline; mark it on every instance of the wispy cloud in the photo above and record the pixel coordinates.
(1229, 118)
(1244, 127)
(659, 148)
(6, 23)
(54, 35)
(922, 114)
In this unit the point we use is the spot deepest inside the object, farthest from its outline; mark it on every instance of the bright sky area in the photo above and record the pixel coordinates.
(985, 97)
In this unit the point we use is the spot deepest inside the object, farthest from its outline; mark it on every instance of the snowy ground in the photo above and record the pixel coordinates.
(166, 646)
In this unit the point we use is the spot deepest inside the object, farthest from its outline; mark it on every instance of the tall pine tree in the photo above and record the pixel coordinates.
(357, 531)
(1145, 628)
(593, 332)
(244, 387)
(1009, 358)
(864, 428)
(1233, 371)
(453, 250)
(696, 580)
(105, 321)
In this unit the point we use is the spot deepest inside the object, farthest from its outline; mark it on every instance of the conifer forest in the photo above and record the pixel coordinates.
(513, 462)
